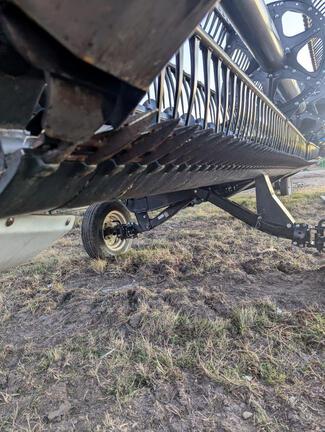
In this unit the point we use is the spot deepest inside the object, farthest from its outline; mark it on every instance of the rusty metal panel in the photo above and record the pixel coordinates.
(131, 40)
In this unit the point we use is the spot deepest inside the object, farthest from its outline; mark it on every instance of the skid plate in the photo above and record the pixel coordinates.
(23, 237)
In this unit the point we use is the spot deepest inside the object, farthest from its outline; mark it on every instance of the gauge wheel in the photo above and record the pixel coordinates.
(96, 220)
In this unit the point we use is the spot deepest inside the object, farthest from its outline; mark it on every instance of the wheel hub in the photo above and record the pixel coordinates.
(113, 221)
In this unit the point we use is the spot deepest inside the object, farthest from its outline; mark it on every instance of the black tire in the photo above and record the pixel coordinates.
(285, 186)
(96, 217)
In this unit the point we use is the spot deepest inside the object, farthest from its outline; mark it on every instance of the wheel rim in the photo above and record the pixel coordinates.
(113, 243)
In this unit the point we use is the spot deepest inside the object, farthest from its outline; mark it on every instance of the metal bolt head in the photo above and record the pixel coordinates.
(289, 225)
(10, 221)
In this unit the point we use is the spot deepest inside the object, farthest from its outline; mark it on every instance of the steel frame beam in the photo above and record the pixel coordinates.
(272, 217)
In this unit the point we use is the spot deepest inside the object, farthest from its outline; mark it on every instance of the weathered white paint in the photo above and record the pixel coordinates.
(23, 237)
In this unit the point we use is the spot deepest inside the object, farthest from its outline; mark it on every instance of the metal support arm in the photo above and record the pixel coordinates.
(301, 235)
(132, 230)
(147, 224)
(250, 218)
(272, 217)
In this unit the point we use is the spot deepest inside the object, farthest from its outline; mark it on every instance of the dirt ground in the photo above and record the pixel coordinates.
(206, 325)
(314, 177)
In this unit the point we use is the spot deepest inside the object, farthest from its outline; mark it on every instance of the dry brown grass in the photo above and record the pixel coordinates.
(204, 319)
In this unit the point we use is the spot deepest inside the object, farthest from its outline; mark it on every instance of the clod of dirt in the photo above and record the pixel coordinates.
(56, 415)
(286, 268)
(66, 297)
(133, 299)
(252, 266)
(135, 320)
(247, 414)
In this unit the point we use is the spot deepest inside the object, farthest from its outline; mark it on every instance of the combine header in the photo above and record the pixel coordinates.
(116, 111)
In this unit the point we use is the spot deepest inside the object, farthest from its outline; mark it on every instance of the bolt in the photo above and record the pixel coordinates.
(10, 221)
(289, 225)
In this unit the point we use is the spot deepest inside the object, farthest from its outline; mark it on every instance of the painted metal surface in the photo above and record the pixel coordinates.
(192, 130)
(252, 21)
(14, 139)
(118, 38)
(256, 28)
(203, 122)
(225, 100)
(23, 237)
(297, 87)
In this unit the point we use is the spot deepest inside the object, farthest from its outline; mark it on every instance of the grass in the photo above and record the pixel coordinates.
(204, 319)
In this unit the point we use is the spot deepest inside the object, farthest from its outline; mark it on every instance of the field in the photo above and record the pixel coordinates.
(206, 325)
